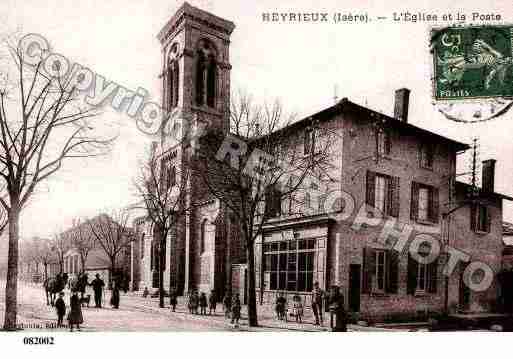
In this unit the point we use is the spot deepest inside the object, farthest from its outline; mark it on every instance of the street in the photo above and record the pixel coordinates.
(136, 314)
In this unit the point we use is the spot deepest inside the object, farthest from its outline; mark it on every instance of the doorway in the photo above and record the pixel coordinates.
(354, 287)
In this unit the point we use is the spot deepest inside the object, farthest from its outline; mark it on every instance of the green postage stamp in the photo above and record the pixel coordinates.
(472, 62)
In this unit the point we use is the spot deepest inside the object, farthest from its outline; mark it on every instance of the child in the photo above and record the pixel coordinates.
(280, 307)
(227, 303)
(75, 312)
(298, 308)
(236, 310)
(172, 300)
(203, 303)
(212, 302)
(146, 292)
(60, 306)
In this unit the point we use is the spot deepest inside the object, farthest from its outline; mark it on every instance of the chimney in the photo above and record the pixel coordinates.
(488, 176)
(402, 100)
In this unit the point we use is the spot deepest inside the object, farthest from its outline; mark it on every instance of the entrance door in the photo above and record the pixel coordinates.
(464, 297)
(354, 287)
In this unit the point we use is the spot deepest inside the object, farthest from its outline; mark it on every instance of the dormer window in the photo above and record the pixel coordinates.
(427, 151)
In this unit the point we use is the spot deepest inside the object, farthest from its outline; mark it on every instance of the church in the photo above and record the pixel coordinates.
(405, 171)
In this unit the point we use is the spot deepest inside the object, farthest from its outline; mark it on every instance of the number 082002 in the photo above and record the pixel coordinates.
(38, 340)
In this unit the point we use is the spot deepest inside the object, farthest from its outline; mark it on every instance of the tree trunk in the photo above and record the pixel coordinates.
(252, 308)
(11, 286)
(162, 255)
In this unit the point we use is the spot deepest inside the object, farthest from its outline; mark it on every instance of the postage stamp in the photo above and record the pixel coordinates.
(472, 62)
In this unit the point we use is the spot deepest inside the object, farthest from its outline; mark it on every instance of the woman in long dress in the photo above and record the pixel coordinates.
(114, 300)
(75, 313)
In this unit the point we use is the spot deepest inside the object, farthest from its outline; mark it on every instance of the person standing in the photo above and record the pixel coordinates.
(98, 285)
(75, 312)
(236, 307)
(212, 302)
(60, 306)
(173, 300)
(203, 303)
(317, 297)
(298, 308)
(227, 304)
(114, 299)
(338, 320)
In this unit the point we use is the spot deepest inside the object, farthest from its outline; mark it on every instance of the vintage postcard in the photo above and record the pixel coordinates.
(277, 166)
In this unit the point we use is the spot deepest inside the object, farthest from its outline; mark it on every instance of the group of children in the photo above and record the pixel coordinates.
(75, 313)
(281, 307)
(232, 307)
(200, 301)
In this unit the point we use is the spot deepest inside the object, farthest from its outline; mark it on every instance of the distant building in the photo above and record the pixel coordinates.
(97, 261)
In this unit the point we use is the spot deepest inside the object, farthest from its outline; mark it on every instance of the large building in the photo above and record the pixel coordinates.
(404, 171)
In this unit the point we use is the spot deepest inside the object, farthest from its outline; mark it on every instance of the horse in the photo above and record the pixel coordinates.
(53, 286)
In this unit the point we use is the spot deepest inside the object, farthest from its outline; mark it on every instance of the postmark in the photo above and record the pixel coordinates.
(472, 62)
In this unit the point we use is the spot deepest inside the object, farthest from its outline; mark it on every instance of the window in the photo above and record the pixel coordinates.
(309, 142)
(422, 278)
(289, 265)
(206, 74)
(426, 155)
(380, 271)
(173, 83)
(272, 202)
(382, 142)
(480, 218)
(142, 245)
(203, 234)
(382, 193)
(424, 203)
(171, 176)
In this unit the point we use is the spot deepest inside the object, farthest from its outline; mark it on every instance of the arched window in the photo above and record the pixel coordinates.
(203, 234)
(173, 83)
(173, 77)
(206, 74)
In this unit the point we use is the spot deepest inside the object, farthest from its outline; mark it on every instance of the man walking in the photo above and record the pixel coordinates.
(317, 297)
(98, 285)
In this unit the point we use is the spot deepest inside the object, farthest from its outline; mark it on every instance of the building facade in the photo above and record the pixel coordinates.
(384, 163)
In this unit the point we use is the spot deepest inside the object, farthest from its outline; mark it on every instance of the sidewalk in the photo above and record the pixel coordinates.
(266, 317)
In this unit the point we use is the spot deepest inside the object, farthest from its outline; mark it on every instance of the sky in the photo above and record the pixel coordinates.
(304, 64)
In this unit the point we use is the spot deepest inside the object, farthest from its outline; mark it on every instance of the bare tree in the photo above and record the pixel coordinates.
(161, 186)
(60, 245)
(112, 235)
(43, 253)
(257, 170)
(81, 238)
(42, 124)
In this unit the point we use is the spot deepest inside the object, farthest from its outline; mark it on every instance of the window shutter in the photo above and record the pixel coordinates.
(412, 275)
(414, 207)
(433, 276)
(387, 142)
(393, 197)
(434, 205)
(369, 267)
(473, 216)
(371, 188)
(392, 271)
(488, 220)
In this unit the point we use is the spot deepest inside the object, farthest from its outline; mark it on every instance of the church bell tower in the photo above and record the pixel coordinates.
(196, 66)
